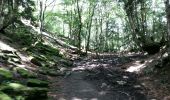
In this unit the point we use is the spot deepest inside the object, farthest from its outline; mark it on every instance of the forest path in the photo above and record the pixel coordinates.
(98, 79)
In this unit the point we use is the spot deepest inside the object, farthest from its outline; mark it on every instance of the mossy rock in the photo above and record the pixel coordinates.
(46, 49)
(17, 90)
(10, 88)
(44, 72)
(36, 62)
(37, 93)
(54, 73)
(4, 96)
(36, 83)
(25, 73)
(3, 57)
(40, 57)
(68, 63)
(16, 60)
(5, 74)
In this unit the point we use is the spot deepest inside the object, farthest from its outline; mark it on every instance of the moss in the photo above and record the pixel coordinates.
(37, 93)
(4, 73)
(4, 96)
(36, 83)
(68, 63)
(25, 73)
(44, 49)
(11, 88)
(22, 92)
(53, 73)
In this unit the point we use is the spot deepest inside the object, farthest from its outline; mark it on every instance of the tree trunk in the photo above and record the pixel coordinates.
(167, 5)
(89, 28)
(79, 26)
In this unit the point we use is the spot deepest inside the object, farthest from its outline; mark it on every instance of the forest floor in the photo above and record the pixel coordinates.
(105, 77)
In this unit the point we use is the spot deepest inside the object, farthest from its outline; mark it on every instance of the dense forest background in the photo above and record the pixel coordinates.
(99, 25)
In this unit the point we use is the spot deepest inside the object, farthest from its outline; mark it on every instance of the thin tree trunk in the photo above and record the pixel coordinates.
(79, 26)
(89, 28)
(167, 5)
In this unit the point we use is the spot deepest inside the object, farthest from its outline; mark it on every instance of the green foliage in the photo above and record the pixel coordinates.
(29, 6)
(114, 25)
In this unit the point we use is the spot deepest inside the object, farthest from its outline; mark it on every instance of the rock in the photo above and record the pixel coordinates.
(5, 74)
(24, 73)
(16, 88)
(67, 62)
(37, 93)
(142, 61)
(151, 48)
(40, 57)
(16, 60)
(66, 74)
(21, 91)
(103, 85)
(36, 62)
(11, 55)
(121, 82)
(3, 57)
(7, 51)
(4, 96)
(46, 49)
(44, 72)
(167, 98)
(36, 83)
(52, 73)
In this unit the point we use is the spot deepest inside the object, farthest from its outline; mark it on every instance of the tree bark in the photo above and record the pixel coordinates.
(79, 25)
(91, 14)
(167, 6)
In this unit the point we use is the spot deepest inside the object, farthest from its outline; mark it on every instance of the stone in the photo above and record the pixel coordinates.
(52, 73)
(16, 60)
(21, 91)
(16, 88)
(67, 62)
(7, 51)
(37, 93)
(36, 62)
(55, 73)
(36, 83)
(121, 82)
(24, 73)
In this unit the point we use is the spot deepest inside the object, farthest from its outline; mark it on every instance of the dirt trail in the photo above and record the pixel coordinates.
(90, 80)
